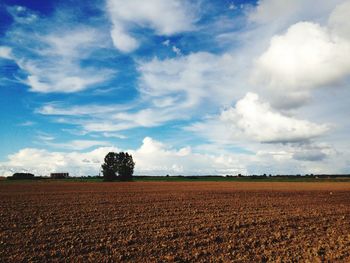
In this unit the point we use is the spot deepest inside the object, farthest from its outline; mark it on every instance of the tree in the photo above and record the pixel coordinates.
(109, 167)
(120, 164)
(19, 176)
(125, 165)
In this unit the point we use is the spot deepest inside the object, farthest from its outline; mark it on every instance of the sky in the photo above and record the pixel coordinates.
(190, 87)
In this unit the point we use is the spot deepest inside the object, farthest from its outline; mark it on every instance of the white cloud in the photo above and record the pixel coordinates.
(176, 50)
(166, 42)
(258, 121)
(187, 81)
(122, 40)
(255, 120)
(307, 56)
(5, 52)
(165, 17)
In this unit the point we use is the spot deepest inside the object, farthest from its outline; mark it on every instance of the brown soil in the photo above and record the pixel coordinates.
(174, 222)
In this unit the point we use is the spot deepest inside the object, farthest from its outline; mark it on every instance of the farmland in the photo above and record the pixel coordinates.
(174, 221)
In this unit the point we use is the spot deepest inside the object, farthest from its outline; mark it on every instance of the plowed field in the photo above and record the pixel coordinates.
(174, 222)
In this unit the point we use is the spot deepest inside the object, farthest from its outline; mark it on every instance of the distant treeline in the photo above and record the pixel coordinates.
(29, 176)
(19, 176)
(250, 176)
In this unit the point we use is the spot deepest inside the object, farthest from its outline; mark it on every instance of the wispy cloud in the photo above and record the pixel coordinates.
(27, 123)
(77, 144)
(81, 110)
(114, 135)
(165, 17)
(51, 58)
(5, 52)
(188, 81)
(22, 15)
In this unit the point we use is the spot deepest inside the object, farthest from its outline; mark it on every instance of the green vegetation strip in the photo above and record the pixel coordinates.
(190, 179)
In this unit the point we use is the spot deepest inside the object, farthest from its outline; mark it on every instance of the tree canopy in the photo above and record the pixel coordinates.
(118, 166)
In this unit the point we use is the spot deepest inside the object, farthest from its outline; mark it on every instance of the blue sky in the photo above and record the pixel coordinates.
(188, 87)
